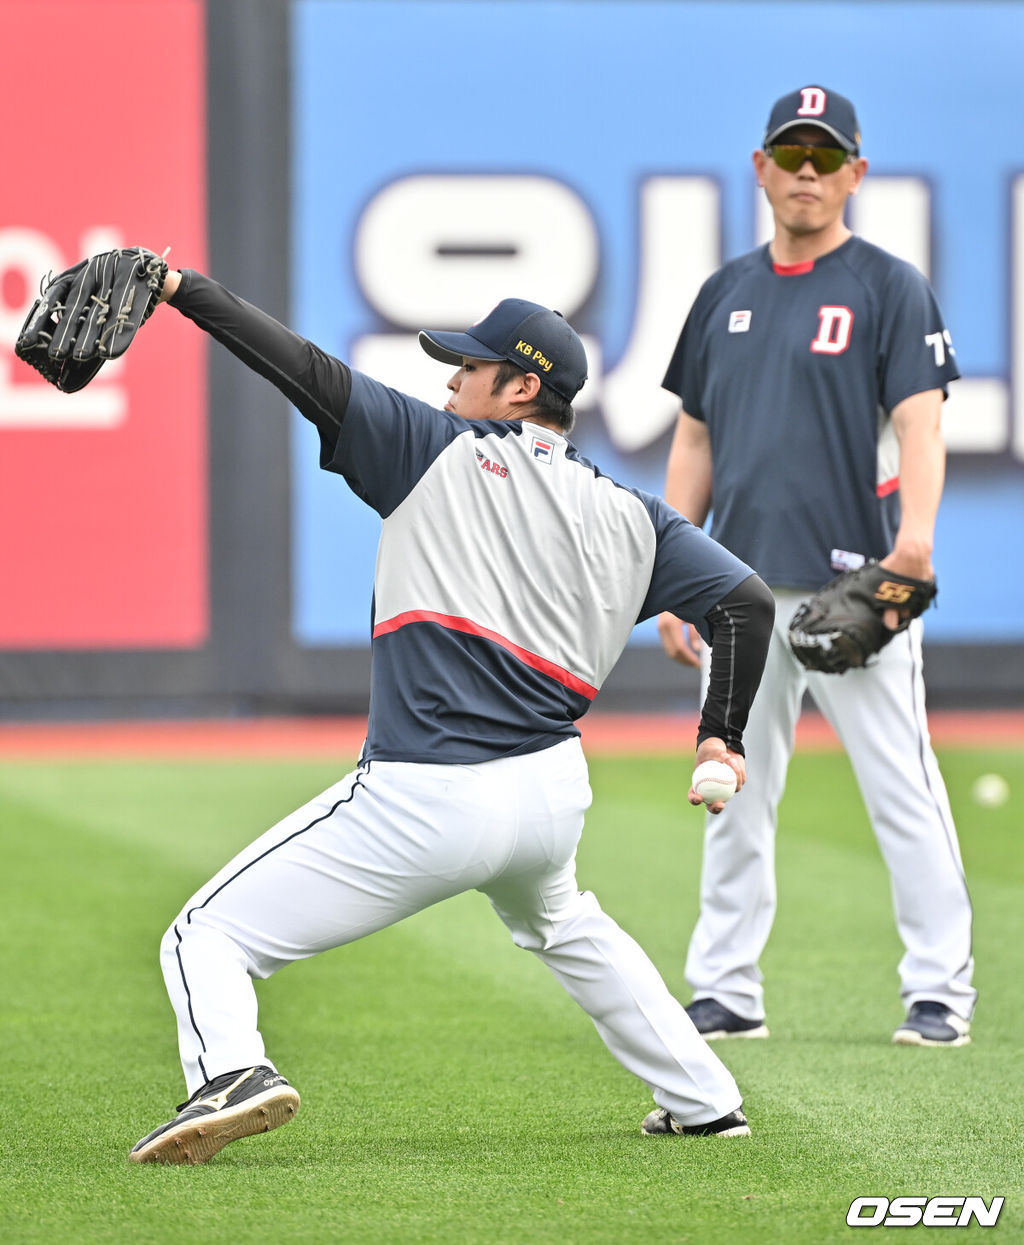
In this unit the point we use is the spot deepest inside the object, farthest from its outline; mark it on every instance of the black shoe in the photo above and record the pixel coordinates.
(237, 1104)
(661, 1121)
(930, 1023)
(712, 1020)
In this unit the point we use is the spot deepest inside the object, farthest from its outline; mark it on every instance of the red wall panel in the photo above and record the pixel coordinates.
(103, 494)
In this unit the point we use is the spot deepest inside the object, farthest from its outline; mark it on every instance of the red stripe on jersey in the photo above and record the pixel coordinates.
(792, 270)
(887, 486)
(468, 627)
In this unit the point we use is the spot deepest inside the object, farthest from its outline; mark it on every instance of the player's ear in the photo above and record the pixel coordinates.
(860, 167)
(760, 160)
(525, 387)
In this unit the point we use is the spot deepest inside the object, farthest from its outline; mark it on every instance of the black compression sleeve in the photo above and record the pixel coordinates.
(741, 628)
(315, 382)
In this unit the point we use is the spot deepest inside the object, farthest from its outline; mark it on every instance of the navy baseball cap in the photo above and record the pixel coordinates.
(814, 105)
(527, 334)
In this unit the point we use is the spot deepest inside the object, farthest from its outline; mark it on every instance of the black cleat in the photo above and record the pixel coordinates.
(237, 1104)
(712, 1020)
(930, 1023)
(661, 1121)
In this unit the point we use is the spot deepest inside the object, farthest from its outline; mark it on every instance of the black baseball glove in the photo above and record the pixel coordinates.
(90, 314)
(842, 625)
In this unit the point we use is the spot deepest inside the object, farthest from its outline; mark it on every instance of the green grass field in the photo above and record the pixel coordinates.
(451, 1092)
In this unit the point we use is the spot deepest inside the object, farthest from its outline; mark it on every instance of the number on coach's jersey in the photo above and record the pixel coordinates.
(940, 343)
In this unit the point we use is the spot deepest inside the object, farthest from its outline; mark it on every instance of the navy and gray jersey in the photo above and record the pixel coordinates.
(795, 371)
(510, 571)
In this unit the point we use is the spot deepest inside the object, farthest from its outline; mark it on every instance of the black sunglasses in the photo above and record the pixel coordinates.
(823, 159)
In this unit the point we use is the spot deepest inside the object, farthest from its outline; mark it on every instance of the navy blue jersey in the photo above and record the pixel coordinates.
(510, 570)
(795, 371)
(509, 576)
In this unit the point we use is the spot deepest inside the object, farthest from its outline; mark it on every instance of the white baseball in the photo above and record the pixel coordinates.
(714, 781)
(991, 790)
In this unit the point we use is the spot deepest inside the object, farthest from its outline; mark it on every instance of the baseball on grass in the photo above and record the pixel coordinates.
(714, 781)
(990, 790)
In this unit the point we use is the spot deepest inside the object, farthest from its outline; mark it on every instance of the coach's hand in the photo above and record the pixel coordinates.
(681, 641)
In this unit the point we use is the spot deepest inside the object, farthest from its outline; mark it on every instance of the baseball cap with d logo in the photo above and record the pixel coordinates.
(525, 333)
(814, 105)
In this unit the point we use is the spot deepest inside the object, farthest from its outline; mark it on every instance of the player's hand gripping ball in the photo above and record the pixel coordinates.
(714, 781)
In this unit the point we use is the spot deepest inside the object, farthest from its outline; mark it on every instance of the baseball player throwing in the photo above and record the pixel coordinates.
(812, 373)
(509, 575)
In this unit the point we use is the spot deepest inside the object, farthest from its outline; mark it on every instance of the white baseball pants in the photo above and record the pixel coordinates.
(392, 838)
(878, 713)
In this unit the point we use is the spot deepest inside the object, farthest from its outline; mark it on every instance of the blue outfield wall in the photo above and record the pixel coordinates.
(596, 156)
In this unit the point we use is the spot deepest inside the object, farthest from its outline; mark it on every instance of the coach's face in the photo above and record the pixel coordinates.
(807, 202)
(474, 395)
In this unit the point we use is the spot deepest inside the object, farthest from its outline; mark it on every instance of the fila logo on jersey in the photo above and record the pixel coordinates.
(843, 560)
(494, 468)
(542, 450)
(739, 321)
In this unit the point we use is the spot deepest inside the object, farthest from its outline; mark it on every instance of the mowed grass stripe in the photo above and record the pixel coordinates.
(451, 1091)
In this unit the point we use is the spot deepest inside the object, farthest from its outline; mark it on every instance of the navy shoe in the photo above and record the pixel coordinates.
(661, 1121)
(930, 1023)
(237, 1104)
(712, 1020)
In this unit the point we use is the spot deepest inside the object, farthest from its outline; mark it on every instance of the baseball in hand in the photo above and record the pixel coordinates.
(714, 781)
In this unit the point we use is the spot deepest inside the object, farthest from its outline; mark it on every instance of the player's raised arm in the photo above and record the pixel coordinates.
(315, 382)
(91, 313)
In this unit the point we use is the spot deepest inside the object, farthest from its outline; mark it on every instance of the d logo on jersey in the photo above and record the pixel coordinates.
(835, 324)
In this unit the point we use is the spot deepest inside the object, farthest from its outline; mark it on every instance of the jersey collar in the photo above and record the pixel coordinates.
(792, 270)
